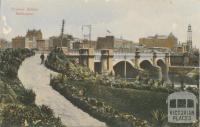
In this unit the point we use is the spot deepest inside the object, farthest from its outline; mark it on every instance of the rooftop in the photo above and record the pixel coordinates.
(161, 36)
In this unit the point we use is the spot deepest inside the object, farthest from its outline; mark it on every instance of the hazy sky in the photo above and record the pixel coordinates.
(130, 19)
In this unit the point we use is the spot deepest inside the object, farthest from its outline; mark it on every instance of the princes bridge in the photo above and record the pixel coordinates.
(125, 64)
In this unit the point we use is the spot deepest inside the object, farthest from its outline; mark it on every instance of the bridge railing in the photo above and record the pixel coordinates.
(120, 55)
(161, 54)
(123, 56)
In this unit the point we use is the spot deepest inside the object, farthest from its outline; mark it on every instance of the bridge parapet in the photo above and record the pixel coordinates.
(124, 56)
(119, 55)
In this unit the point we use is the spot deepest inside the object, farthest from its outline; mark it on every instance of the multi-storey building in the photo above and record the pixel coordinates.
(33, 39)
(41, 45)
(18, 42)
(84, 44)
(169, 41)
(34, 34)
(57, 41)
(110, 42)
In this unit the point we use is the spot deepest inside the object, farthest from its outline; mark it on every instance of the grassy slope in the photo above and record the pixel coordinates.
(138, 102)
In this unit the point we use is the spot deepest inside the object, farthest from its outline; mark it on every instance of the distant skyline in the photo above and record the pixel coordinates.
(130, 19)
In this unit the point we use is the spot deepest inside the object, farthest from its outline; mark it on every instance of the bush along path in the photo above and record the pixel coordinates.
(17, 104)
(64, 83)
(96, 108)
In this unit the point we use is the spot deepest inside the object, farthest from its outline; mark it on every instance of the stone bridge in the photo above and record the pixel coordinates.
(125, 64)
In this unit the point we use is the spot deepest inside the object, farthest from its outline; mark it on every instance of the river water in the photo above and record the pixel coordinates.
(35, 76)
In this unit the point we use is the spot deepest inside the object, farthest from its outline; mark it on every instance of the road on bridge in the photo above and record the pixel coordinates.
(35, 76)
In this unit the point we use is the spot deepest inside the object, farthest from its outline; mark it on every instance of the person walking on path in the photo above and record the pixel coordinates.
(42, 58)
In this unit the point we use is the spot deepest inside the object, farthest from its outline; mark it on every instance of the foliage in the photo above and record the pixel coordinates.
(140, 96)
(158, 118)
(29, 116)
(77, 72)
(196, 124)
(10, 60)
(46, 110)
(96, 107)
(193, 90)
(20, 109)
(28, 97)
(57, 61)
(13, 116)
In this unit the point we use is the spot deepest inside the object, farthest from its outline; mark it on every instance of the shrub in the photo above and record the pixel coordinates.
(30, 116)
(46, 110)
(13, 116)
(158, 118)
(28, 97)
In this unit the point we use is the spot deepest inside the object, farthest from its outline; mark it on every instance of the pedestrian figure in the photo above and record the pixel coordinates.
(42, 58)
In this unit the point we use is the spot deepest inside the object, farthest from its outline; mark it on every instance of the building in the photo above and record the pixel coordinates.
(3, 44)
(18, 42)
(189, 39)
(41, 45)
(110, 42)
(169, 41)
(34, 34)
(32, 40)
(186, 47)
(181, 48)
(79, 44)
(55, 41)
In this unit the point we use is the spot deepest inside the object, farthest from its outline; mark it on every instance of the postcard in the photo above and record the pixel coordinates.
(99, 63)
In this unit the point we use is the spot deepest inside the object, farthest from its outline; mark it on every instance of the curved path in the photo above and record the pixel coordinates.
(35, 76)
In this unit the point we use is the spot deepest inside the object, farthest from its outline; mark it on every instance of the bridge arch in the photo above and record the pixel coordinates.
(119, 69)
(152, 70)
(128, 61)
(145, 64)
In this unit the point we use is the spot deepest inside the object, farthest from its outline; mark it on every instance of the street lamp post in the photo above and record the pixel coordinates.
(89, 35)
(62, 33)
(125, 62)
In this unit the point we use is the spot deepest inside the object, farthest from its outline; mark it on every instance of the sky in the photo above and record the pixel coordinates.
(129, 19)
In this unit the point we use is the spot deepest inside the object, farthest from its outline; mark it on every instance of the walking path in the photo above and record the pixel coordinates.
(35, 76)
